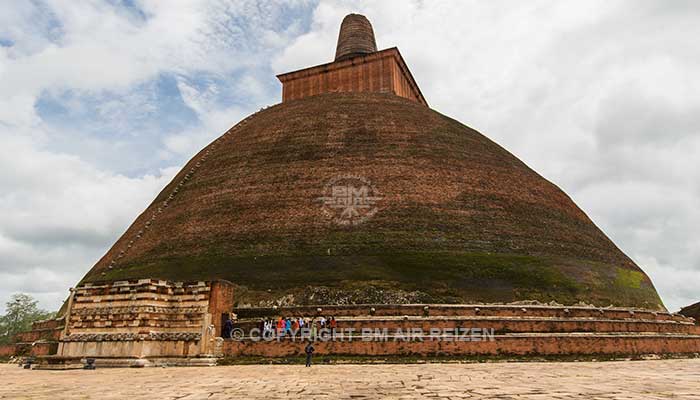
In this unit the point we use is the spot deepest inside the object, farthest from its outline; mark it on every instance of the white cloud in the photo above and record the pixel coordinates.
(64, 199)
(58, 215)
(600, 97)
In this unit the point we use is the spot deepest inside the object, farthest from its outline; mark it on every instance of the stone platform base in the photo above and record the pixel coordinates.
(484, 330)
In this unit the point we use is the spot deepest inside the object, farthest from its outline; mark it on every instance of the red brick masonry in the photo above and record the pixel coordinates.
(521, 345)
(512, 330)
(383, 71)
(7, 350)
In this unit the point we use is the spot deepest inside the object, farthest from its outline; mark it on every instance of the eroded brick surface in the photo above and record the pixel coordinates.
(461, 219)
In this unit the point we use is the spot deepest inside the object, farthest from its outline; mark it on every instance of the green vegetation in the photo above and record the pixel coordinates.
(446, 277)
(629, 279)
(411, 270)
(20, 312)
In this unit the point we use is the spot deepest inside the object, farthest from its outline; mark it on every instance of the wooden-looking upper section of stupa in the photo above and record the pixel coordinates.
(358, 67)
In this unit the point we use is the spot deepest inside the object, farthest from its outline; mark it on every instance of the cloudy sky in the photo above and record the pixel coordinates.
(101, 102)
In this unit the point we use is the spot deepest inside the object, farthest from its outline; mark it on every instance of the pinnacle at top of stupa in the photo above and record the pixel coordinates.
(356, 37)
(358, 67)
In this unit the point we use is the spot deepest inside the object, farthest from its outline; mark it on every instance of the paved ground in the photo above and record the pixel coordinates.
(606, 380)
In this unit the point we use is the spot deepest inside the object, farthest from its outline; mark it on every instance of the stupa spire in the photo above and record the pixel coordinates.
(358, 67)
(356, 37)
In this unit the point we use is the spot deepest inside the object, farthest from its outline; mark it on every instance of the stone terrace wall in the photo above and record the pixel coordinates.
(465, 310)
(7, 350)
(46, 330)
(517, 330)
(506, 345)
(143, 318)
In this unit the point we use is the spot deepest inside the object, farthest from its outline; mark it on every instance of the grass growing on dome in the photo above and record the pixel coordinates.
(451, 275)
(463, 218)
(628, 278)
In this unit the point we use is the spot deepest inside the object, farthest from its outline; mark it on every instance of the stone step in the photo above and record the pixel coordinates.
(504, 324)
(483, 310)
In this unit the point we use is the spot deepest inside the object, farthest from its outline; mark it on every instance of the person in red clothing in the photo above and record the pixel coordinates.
(280, 326)
(295, 326)
(333, 324)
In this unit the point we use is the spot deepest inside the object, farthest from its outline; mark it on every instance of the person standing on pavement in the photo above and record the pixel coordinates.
(309, 350)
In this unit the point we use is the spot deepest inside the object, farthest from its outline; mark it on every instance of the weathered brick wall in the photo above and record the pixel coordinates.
(458, 210)
(220, 302)
(356, 37)
(49, 324)
(692, 311)
(524, 325)
(7, 350)
(517, 329)
(143, 318)
(457, 310)
(139, 306)
(43, 348)
(383, 72)
(501, 345)
(39, 334)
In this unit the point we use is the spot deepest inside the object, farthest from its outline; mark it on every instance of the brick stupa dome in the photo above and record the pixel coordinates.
(455, 218)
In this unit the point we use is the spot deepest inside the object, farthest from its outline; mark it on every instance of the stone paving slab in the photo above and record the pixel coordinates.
(652, 379)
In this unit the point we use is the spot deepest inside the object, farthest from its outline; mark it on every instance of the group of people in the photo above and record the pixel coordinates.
(293, 326)
(290, 326)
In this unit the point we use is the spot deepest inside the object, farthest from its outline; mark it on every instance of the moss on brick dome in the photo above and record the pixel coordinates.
(460, 220)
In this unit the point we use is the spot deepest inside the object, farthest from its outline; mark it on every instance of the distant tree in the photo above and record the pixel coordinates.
(20, 312)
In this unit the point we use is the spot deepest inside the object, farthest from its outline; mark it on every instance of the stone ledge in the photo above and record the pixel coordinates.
(128, 337)
(495, 309)
(138, 309)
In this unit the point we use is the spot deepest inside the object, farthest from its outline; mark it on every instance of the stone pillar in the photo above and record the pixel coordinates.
(220, 301)
(66, 322)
